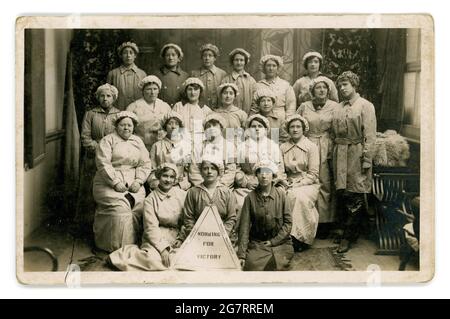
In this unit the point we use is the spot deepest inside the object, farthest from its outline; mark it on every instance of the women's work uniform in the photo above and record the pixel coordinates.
(301, 163)
(319, 118)
(118, 215)
(161, 221)
(266, 218)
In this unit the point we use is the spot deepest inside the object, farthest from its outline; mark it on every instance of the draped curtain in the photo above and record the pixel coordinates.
(393, 57)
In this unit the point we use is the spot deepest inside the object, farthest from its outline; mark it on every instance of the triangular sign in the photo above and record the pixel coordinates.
(208, 246)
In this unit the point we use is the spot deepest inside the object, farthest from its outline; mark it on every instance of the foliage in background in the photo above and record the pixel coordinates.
(94, 55)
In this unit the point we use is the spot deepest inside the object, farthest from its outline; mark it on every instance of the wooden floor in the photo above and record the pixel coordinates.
(67, 250)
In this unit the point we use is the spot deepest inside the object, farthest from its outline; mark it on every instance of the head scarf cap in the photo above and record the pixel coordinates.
(310, 54)
(319, 79)
(216, 160)
(349, 76)
(211, 47)
(124, 114)
(174, 46)
(240, 51)
(168, 165)
(265, 163)
(278, 60)
(259, 117)
(171, 115)
(264, 92)
(190, 81)
(295, 117)
(150, 79)
(128, 45)
(225, 85)
(107, 87)
(215, 117)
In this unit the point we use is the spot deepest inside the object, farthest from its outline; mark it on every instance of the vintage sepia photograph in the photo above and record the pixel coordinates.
(225, 149)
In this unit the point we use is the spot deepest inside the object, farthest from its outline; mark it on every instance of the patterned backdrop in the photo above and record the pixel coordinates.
(354, 50)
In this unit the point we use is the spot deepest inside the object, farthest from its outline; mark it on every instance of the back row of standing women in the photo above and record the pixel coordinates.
(338, 146)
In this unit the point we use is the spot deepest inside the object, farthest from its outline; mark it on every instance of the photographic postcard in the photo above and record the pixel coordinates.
(98, 203)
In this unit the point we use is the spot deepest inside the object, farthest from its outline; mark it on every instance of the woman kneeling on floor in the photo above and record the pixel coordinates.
(265, 225)
(162, 215)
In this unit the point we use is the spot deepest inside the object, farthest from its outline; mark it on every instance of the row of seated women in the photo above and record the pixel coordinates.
(199, 141)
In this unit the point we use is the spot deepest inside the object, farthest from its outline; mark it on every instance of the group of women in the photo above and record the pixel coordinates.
(274, 159)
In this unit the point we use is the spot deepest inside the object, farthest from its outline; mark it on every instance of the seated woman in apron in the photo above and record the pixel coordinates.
(301, 164)
(265, 226)
(123, 165)
(162, 216)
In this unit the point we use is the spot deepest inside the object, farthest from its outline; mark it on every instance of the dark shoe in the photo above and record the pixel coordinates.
(304, 246)
(323, 231)
(296, 244)
(344, 246)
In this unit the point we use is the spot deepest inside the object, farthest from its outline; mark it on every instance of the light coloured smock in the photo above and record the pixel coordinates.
(353, 132)
(301, 163)
(246, 85)
(319, 133)
(161, 221)
(126, 80)
(116, 223)
(149, 115)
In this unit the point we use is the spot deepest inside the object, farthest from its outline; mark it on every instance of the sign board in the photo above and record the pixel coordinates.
(208, 246)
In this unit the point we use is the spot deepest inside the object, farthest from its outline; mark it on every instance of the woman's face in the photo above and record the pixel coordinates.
(265, 105)
(167, 180)
(313, 65)
(320, 91)
(296, 129)
(125, 128)
(106, 99)
(212, 129)
(238, 62)
(271, 69)
(208, 58)
(227, 96)
(257, 130)
(346, 88)
(128, 56)
(171, 57)
(150, 92)
(209, 172)
(193, 93)
(171, 126)
(265, 176)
